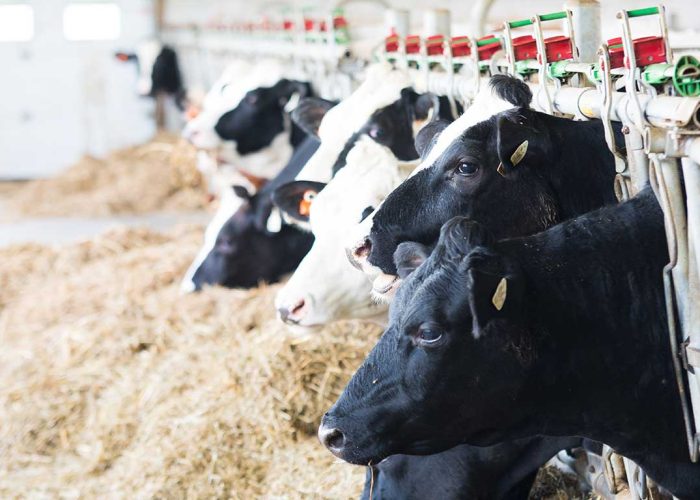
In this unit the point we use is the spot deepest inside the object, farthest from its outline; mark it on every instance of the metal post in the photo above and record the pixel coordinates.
(397, 21)
(479, 15)
(586, 18)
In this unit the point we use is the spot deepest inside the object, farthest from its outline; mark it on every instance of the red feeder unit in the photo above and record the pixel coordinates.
(460, 46)
(391, 43)
(524, 47)
(433, 45)
(308, 24)
(558, 48)
(648, 50)
(287, 25)
(340, 22)
(412, 44)
(487, 46)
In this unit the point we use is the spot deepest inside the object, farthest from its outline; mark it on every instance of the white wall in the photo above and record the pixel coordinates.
(60, 99)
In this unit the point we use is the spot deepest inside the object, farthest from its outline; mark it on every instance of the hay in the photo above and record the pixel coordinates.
(159, 175)
(116, 386)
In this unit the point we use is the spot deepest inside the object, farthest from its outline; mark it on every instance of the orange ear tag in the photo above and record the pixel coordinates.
(305, 203)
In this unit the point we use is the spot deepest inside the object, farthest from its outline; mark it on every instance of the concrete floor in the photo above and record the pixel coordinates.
(52, 230)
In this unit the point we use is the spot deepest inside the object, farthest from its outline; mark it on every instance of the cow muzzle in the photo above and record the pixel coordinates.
(293, 313)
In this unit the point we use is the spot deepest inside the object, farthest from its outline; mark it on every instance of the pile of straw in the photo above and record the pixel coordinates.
(114, 385)
(159, 175)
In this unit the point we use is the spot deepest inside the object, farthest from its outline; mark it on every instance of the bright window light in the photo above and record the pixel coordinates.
(16, 23)
(92, 21)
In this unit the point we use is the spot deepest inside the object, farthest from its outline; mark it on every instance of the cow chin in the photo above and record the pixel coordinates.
(384, 288)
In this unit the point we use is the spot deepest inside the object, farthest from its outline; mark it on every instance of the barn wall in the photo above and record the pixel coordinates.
(62, 99)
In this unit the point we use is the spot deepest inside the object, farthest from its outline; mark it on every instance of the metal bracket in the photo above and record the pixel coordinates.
(690, 356)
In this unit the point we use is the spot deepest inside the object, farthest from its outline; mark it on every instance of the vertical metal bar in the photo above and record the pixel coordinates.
(691, 175)
(586, 22)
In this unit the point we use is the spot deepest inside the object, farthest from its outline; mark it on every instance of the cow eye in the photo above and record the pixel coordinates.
(467, 169)
(251, 99)
(428, 335)
(376, 132)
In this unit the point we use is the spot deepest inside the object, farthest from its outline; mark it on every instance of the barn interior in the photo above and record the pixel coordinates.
(117, 379)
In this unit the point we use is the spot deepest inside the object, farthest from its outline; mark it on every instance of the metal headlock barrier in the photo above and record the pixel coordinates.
(635, 81)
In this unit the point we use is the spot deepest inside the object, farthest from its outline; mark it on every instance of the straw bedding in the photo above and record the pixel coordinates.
(115, 386)
(159, 175)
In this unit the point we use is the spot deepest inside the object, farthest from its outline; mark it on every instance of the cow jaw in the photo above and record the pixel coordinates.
(384, 288)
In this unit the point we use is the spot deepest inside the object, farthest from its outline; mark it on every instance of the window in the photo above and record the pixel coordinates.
(92, 21)
(16, 23)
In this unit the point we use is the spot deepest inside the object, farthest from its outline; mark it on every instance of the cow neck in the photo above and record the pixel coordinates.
(603, 367)
(584, 170)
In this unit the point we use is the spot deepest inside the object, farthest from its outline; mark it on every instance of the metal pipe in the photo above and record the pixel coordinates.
(586, 17)
(479, 15)
(691, 176)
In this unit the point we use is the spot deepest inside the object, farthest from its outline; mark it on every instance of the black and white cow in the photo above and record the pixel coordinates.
(260, 117)
(518, 172)
(240, 247)
(159, 71)
(560, 333)
(244, 124)
(373, 161)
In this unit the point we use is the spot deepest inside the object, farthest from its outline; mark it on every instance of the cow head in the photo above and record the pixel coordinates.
(225, 94)
(238, 251)
(259, 117)
(325, 287)
(493, 171)
(337, 126)
(450, 367)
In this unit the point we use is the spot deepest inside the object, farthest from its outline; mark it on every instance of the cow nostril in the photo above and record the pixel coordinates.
(297, 308)
(333, 439)
(359, 253)
(363, 250)
(284, 313)
(294, 314)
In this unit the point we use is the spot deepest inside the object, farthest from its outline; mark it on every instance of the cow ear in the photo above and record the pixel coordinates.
(294, 199)
(460, 235)
(518, 141)
(288, 92)
(428, 135)
(494, 291)
(424, 108)
(309, 113)
(241, 191)
(408, 256)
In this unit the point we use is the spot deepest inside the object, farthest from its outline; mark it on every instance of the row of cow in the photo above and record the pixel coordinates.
(523, 306)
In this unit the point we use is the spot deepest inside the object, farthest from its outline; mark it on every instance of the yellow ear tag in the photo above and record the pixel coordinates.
(519, 153)
(305, 203)
(499, 296)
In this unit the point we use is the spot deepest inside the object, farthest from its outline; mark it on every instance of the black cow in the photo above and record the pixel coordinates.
(465, 472)
(159, 70)
(239, 250)
(260, 117)
(563, 168)
(560, 333)
(503, 471)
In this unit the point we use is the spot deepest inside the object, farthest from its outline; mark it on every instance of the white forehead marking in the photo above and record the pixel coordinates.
(381, 87)
(485, 105)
